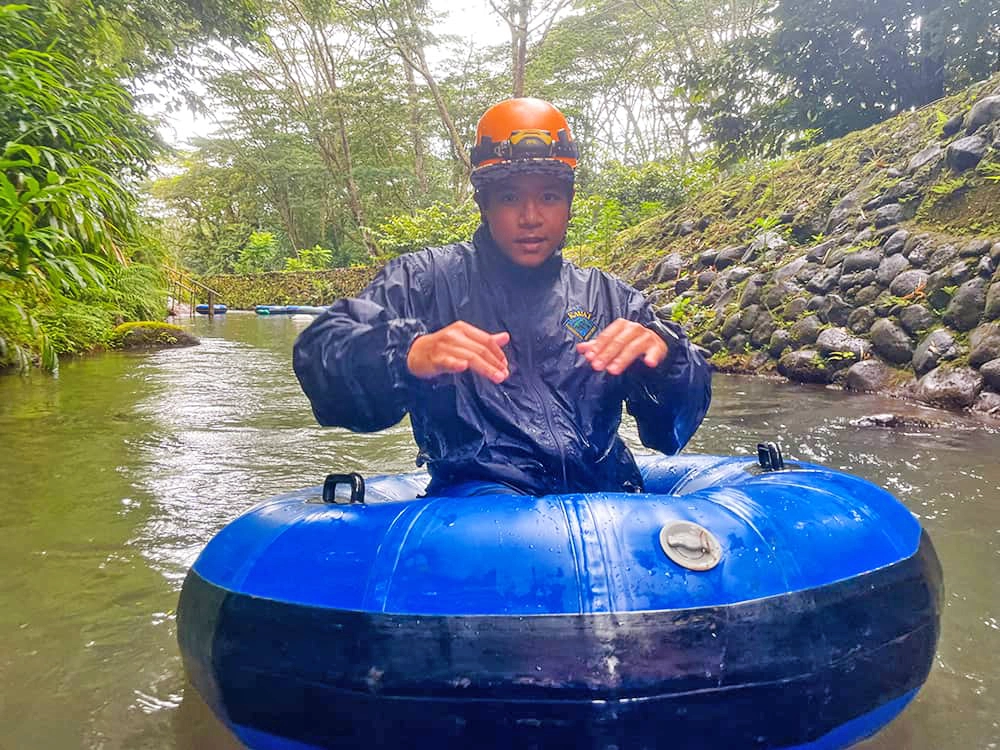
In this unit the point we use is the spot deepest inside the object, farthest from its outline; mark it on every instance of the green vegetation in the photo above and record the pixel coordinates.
(75, 256)
(370, 159)
(989, 170)
(68, 220)
(437, 224)
(838, 67)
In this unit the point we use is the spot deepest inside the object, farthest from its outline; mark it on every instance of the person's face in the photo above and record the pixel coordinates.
(527, 216)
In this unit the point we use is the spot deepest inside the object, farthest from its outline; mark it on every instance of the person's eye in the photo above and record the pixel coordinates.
(508, 197)
(552, 197)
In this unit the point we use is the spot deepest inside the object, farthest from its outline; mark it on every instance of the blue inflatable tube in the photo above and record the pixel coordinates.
(203, 309)
(728, 606)
(288, 310)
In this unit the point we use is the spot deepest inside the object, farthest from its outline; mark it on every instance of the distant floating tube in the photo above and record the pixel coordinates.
(217, 309)
(288, 310)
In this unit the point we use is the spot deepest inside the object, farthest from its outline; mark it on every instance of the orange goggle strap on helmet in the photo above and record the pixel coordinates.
(529, 143)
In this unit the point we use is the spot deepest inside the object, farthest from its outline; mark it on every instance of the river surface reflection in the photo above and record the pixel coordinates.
(115, 474)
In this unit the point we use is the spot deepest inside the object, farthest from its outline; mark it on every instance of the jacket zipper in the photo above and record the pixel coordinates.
(548, 416)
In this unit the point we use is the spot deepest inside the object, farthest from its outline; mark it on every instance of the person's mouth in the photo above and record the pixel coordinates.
(531, 243)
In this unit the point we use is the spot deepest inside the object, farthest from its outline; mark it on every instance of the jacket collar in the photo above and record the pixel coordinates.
(504, 268)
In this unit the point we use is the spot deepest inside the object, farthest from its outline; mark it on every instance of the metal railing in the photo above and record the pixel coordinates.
(182, 285)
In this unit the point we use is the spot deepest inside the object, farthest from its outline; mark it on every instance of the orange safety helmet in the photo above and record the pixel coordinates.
(522, 135)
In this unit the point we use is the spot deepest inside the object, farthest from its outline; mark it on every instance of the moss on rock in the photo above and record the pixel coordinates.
(149, 334)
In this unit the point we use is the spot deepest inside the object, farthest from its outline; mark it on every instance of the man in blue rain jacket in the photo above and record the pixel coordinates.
(512, 362)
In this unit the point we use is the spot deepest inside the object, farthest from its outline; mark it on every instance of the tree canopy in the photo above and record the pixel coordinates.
(342, 124)
(817, 69)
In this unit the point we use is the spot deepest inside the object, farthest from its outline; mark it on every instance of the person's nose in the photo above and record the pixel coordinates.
(530, 216)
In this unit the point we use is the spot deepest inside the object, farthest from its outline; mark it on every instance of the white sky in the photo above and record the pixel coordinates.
(470, 19)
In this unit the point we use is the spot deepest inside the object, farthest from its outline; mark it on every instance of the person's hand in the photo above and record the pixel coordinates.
(621, 344)
(459, 347)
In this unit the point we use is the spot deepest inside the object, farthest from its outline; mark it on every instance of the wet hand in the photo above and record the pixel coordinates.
(459, 347)
(621, 344)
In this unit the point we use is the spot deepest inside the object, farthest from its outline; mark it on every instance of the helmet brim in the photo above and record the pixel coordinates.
(493, 173)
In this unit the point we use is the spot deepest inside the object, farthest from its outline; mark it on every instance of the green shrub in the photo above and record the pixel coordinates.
(74, 327)
(654, 186)
(259, 254)
(438, 224)
(592, 227)
(314, 258)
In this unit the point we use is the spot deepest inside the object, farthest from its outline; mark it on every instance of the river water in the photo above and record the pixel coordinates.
(114, 474)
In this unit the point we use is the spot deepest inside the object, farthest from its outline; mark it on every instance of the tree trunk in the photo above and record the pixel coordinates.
(457, 145)
(519, 45)
(930, 79)
(406, 38)
(288, 218)
(354, 203)
(416, 131)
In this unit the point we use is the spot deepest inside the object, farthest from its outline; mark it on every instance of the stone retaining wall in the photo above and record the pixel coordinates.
(878, 302)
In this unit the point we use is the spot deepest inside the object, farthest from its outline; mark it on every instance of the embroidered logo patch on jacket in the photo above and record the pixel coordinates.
(581, 323)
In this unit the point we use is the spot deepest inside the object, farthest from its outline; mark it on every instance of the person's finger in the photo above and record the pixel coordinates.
(495, 343)
(656, 353)
(458, 347)
(488, 370)
(637, 346)
(480, 358)
(435, 353)
(620, 344)
(481, 343)
(449, 363)
(489, 354)
(610, 344)
(591, 349)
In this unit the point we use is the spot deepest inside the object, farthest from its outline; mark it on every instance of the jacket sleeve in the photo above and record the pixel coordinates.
(669, 401)
(351, 361)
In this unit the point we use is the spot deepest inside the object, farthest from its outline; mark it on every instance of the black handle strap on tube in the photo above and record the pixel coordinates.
(354, 480)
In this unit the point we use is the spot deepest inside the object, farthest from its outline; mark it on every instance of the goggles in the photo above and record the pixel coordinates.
(525, 144)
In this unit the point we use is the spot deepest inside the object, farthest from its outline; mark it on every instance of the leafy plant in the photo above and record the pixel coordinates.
(314, 258)
(680, 312)
(990, 170)
(74, 147)
(940, 119)
(438, 224)
(594, 224)
(653, 186)
(765, 224)
(949, 187)
(259, 254)
(841, 356)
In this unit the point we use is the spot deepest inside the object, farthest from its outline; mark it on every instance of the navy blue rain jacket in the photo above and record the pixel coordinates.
(552, 425)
